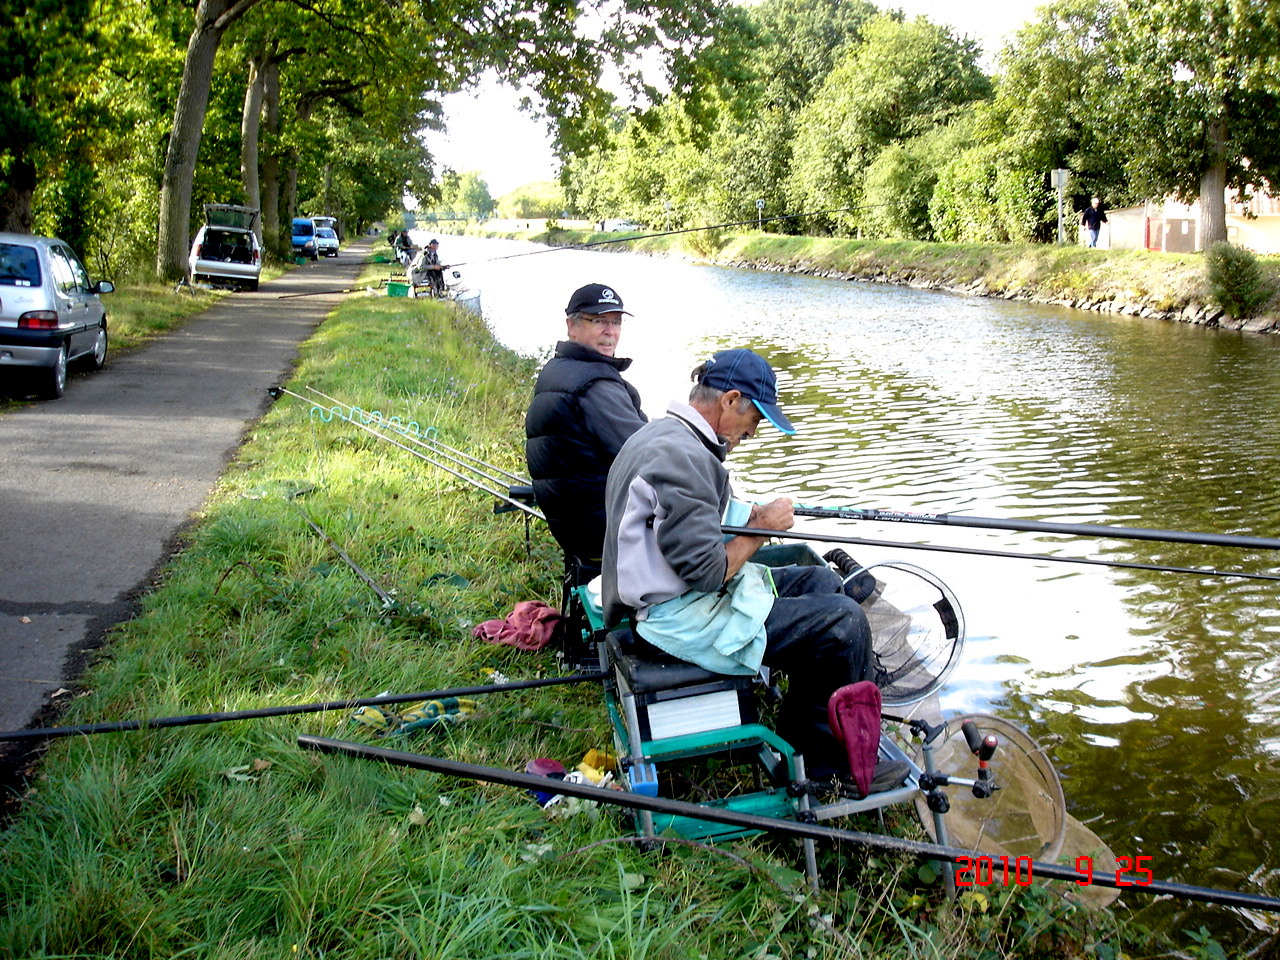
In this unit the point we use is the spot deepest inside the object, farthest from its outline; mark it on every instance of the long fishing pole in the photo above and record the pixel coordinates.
(386, 598)
(671, 233)
(195, 719)
(1095, 530)
(430, 442)
(754, 221)
(501, 495)
(1035, 526)
(749, 821)
(982, 552)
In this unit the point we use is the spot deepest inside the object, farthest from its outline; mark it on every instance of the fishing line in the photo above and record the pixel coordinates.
(750, 821)
(980, 552)
(755, 221)
(671, 233)
(194, 719)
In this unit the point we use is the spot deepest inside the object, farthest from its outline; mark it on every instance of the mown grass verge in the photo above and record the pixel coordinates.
(1172, 285)
(227, 841)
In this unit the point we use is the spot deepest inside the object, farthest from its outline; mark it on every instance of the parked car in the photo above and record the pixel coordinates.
(622, 226)
(226, 250)
(303, 238)
(330, 222)
(51, 314)
(326, 242)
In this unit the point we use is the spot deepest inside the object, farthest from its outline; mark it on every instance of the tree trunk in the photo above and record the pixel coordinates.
(1213, 189)
(289, 197)
(212, 19)
(271, 163)
(250, 121)
(16, 213)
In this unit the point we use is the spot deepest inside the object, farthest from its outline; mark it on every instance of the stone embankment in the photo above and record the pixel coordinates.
(1155, 306)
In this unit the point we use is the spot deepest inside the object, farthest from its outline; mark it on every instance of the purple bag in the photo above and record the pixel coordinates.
(854, 714)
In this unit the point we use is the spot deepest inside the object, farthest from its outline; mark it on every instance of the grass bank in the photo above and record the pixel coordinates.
(226, 841)
(1169, 286)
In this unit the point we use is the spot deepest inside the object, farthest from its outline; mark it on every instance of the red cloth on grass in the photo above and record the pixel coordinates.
(529, 626)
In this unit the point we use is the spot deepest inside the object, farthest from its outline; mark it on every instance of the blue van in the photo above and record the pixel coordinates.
(303, 238)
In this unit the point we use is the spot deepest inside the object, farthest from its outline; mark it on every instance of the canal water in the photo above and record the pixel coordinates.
(1156, 694)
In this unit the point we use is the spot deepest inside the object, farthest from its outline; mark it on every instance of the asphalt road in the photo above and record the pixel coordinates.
(95, 487)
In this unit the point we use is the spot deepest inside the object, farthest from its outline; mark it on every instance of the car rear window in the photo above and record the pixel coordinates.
(19, 265)
(230, 245)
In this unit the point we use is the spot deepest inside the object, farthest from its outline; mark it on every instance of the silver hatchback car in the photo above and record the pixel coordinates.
(51, 314)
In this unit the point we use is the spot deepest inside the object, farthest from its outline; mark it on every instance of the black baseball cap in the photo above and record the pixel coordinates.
(750, 374)
(433, 242)
(595, 298)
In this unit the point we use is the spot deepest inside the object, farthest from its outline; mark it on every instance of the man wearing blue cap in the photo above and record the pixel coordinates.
(693, 593)
(582, 413)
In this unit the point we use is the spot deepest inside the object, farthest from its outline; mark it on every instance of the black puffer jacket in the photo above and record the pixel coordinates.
(582, 412)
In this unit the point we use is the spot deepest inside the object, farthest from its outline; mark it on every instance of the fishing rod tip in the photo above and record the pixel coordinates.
(275, 392)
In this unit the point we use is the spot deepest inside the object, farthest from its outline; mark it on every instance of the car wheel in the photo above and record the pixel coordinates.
(98, 357)
(251, 285)
(315, 257)
(55, 378)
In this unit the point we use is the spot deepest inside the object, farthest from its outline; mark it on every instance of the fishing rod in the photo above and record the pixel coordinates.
(851, 513)
(387, 600)
(415, 434)
(982, 552)
(671, 233)
(436, 448)
(323, 293)
(754, 221)
(750, 821)
(194, 719)
(1035, 526)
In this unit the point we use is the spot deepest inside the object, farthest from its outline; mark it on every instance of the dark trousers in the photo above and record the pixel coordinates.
(818, 636)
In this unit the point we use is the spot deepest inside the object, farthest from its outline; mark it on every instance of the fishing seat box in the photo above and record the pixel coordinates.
(673, 697)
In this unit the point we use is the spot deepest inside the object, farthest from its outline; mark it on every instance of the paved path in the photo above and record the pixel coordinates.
(94, 487)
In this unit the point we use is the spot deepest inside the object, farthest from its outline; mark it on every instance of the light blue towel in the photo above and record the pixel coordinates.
(721, 631)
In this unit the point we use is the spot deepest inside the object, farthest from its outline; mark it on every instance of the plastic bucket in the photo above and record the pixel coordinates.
(395, 289)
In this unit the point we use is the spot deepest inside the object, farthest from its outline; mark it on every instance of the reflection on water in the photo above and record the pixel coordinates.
(1157, 694)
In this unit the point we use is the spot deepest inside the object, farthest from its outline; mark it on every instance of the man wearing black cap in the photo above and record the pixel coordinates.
(581, 415)
(692, 593)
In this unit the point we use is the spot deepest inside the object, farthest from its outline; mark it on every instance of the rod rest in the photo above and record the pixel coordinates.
(647, 670)
(521, 492)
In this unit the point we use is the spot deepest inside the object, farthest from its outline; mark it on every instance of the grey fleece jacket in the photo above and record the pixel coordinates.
(667, 490)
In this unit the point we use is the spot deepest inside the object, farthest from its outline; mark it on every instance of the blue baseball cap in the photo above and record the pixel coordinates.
(750, 374)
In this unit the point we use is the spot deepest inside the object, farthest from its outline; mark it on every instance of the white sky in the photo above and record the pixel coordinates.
(487, 132)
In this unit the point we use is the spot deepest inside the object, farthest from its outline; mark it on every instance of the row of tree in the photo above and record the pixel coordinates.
(889, 127)
(120, 118)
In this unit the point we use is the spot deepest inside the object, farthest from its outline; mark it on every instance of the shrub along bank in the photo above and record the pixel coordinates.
(1169, 286)
(227, 841)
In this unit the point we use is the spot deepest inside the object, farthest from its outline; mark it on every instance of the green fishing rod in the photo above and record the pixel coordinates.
(435, 448)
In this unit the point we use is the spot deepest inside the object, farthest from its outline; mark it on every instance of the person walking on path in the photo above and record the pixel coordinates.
(1092, 220)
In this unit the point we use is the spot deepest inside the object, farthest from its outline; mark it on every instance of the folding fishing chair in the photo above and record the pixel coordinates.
(664, 711)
